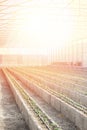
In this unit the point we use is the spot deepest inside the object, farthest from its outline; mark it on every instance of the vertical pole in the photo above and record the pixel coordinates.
(82, 53)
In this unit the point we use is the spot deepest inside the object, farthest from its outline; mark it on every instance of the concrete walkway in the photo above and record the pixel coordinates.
(10, 116)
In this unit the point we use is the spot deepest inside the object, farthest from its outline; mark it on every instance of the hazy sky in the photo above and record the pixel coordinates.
(43, 24)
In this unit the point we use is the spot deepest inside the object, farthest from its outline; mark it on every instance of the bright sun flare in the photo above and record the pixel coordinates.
(43, 26)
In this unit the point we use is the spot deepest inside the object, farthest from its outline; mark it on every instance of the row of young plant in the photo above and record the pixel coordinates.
(45, 120)
(61, 96)
(49, 77)
(57, 72)
(62, 82)
(39, 83)
(69, 77)
(75, 72)
(56, 78)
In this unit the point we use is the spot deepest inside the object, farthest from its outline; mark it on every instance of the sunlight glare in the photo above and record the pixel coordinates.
(44, 27)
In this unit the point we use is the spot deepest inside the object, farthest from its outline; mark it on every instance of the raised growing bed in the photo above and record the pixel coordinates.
(73, 111)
